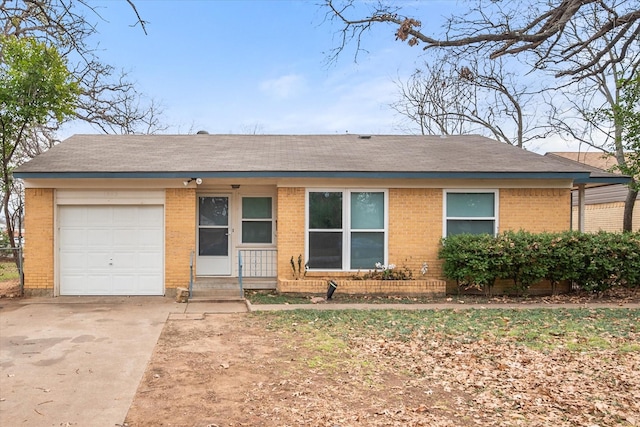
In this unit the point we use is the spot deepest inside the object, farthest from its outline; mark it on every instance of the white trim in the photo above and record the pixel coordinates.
(63, 197)
(496, 207)
(452, 184)
(231, 218)
(161, 227)
(241, 220)
(110, 197)
(346, 225)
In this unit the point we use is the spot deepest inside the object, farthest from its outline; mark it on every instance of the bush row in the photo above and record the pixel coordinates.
(591, 262)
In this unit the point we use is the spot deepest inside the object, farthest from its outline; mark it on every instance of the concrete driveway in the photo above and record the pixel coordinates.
(77, 361)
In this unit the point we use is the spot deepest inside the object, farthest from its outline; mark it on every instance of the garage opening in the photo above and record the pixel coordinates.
(111, 250)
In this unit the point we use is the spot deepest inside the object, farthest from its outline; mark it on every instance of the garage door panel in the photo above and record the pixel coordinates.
(98, 260)
(128, 216)
(98, 284)
(150, 237)
(99, 216)
(124, 283)
(111, 250)
(99, 237)
(146, 283)
(73, 260)
(74, 284)
(73, 238)
(153, 218)
(149, 261)
(73, 218)
(125, 260)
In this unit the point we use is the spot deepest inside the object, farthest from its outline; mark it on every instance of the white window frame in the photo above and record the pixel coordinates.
(346, 223)
(496, 208)
(241, 243)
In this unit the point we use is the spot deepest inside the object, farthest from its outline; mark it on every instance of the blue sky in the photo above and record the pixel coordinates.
(235, 66)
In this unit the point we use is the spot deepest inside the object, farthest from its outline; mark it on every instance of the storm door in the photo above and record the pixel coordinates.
(213, 236)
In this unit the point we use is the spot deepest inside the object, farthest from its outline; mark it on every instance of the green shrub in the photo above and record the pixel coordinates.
(630, 260)
(4, 239)
(520, 259)
(468, 261)
(609, 259)
(562, 255)
(592, 262)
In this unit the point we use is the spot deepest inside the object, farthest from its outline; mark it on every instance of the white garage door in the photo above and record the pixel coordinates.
(111, 250)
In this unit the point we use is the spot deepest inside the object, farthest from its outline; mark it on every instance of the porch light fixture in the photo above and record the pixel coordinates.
(197, 180)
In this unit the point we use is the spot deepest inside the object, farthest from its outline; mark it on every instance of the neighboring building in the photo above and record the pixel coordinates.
(604, 204)
(131, 214)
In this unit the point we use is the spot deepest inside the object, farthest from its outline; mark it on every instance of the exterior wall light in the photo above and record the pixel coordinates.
(197, 180)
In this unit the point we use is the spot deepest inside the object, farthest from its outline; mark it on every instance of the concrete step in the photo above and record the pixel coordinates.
(216, 286)
(251, 283)
(207, 292)
(212, 298)
(208, 283)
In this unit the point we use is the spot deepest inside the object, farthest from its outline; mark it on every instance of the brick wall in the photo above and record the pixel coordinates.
(290, 228)
(38, 249)
(415, 224)
(366, 287)
(415, 228)
(535, 209)
(605, 217)
(180, 235)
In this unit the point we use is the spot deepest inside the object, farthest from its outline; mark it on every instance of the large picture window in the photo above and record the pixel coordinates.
(346, 229)
(257, 220)
(470, 212)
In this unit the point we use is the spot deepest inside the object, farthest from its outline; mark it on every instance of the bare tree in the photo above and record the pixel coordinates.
(429, 101)
(510, 27)
(588, 110)
(477, 96)
(255, 128)
(108, 100)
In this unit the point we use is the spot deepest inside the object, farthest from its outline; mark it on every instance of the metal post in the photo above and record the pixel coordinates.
(20, 269)
(191, 274)
(240, 273)
(581, 207)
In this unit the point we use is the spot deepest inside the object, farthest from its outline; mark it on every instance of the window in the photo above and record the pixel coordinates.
(346, 229)
(472, 212)
(257, 220)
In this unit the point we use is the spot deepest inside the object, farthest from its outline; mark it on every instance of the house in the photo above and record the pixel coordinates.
(603, 202)
(143, 214)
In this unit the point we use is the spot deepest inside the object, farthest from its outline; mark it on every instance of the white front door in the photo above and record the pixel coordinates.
(213, 236)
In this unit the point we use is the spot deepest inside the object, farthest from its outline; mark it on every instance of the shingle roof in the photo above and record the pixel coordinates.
(171, 155)
(595, 159)
(598, 176)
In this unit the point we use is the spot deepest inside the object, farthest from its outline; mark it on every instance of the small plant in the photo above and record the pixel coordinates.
(389, 272)
(299, 272)
(424, 269)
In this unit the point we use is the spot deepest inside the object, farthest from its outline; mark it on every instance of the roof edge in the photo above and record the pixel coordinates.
(576, 176)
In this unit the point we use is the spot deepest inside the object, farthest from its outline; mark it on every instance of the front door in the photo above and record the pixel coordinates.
(213, 236)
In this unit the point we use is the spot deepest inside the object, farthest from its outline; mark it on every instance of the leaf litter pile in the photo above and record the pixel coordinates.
(533, 367)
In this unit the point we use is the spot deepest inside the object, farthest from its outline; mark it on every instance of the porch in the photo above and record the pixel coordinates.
(256, 269)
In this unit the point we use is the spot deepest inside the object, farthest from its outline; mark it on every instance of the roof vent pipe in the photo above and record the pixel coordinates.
(202, 132)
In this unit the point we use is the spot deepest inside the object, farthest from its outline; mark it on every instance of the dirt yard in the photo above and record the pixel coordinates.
(242, 370)
(10, 288)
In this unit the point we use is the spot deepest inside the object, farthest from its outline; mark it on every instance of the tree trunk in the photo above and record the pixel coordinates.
(627, 222)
